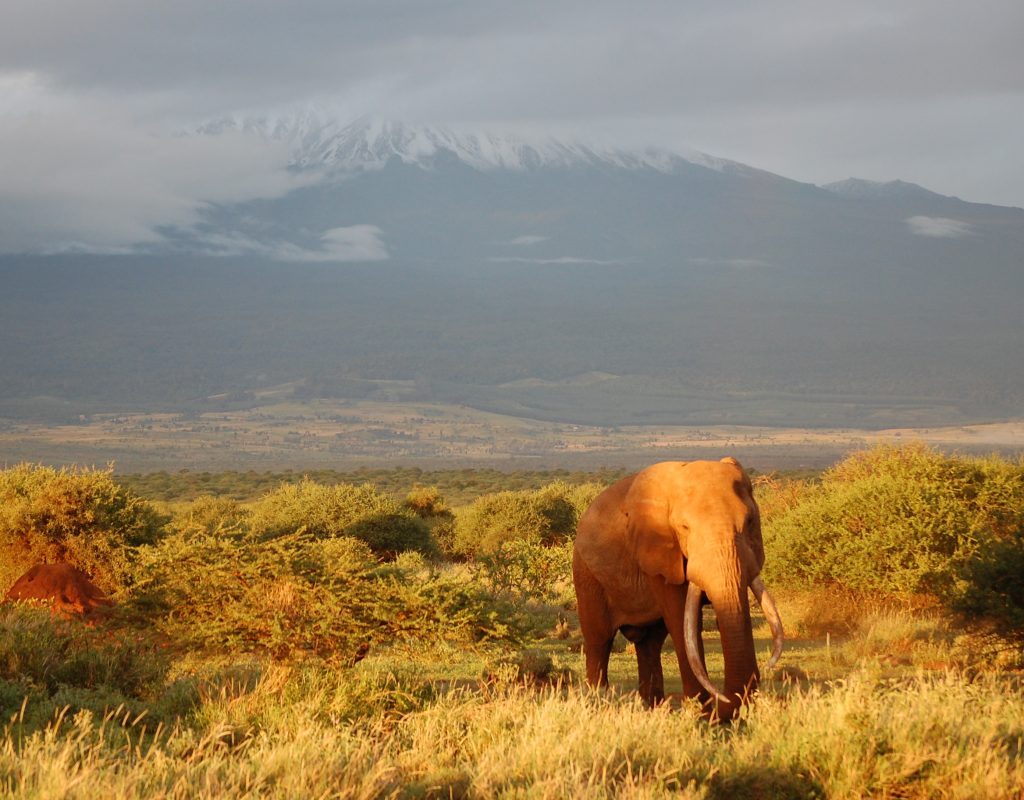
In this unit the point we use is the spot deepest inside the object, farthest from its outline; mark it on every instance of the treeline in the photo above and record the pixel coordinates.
(457, 485)
(892, 521)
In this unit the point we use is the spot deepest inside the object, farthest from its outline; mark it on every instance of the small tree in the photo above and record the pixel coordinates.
(903, 520)
(426, 502)
(343, 510)
(80, 516)
(494, 519)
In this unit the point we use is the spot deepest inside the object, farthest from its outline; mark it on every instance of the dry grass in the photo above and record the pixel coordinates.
(292, 735)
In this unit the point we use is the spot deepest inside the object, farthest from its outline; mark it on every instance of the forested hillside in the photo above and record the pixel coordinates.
(588, 344)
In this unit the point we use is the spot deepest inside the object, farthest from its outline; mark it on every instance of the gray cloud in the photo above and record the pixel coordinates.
(529, 60)
(740, 263)
(555, 260)
(349, 243)
(526, 240)
(75, 183)
(938, 227)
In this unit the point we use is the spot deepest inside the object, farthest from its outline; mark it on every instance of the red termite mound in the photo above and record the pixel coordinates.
(66, 589)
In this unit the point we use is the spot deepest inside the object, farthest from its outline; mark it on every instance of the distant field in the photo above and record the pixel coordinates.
(349, 434)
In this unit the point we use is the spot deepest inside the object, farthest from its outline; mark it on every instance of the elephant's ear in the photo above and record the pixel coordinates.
(753, 526)
(754, 534)
(654, 541)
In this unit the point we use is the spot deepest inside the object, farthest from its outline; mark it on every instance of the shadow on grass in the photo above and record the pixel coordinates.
(763, 783)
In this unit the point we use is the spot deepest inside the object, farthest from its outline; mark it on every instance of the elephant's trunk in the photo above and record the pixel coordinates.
(726, 588)
(745, 677)
(732, 608)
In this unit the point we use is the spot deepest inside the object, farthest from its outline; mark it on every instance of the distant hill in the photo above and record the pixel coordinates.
(494, 271)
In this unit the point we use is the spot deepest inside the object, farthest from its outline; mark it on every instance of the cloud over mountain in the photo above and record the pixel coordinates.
(93, 185)
(938, 227)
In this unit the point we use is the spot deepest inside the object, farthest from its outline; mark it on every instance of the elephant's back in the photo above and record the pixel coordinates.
(606, 514)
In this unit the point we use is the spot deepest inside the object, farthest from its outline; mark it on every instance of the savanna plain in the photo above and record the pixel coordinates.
(322, 635)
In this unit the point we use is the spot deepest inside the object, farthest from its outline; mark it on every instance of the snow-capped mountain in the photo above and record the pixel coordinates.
(382, 190)
(317, 140)
(471, 261)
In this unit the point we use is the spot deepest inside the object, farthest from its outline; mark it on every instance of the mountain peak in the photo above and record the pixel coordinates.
(861, 189)
(318, 140)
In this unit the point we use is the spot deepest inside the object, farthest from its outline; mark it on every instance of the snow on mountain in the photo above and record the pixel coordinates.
(316, 140)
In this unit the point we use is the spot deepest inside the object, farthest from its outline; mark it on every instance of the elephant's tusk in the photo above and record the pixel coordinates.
(692, 640)
(771, 613)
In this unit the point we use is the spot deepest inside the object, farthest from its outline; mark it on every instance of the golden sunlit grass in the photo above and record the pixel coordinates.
(245, 664)
(868, 714)
(940, 735)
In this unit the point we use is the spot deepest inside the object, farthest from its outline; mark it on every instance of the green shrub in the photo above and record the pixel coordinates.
(426, 502)
(343, 510)
(522, 570)
(901, 520)
(546, 516)
(498, 518)
(580, 496)
(80, 516)
(555, 506)
(49, 651)
(777, 496)
(295, 596)
(59, 662)
(285, 596)
(992, 586)
(390, 534)
(210, 514)
(445, 533)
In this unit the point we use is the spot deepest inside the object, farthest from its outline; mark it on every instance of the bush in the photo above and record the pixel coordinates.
(343, 510)
(548, 515)
(992, 586)
(777, 495)
(37, 648)
(75, 515)
(901, 520)
(521, 570)
(284, 596)
(297, 596)
(497, 518)
(58, 662)
(209, 514)
(426, 502)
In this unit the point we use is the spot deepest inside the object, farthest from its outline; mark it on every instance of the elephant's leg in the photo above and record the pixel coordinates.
(595, 622)
(672, 600)
(648, 660)
(597, 654)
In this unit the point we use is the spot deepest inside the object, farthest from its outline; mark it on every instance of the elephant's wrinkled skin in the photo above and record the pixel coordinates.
(642, 544)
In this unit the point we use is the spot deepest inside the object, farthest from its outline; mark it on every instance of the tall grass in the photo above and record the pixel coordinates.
(941, 736)
(232, 667)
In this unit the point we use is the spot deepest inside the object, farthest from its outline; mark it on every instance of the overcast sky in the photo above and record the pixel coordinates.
(91, 91)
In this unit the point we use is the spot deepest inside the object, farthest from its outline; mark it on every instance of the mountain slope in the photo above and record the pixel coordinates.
(491, 270)
(862, 190)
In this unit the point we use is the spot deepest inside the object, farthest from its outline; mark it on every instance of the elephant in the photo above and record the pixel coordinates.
(648, 551)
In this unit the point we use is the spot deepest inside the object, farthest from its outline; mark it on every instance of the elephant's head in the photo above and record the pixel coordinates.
(698, 523)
